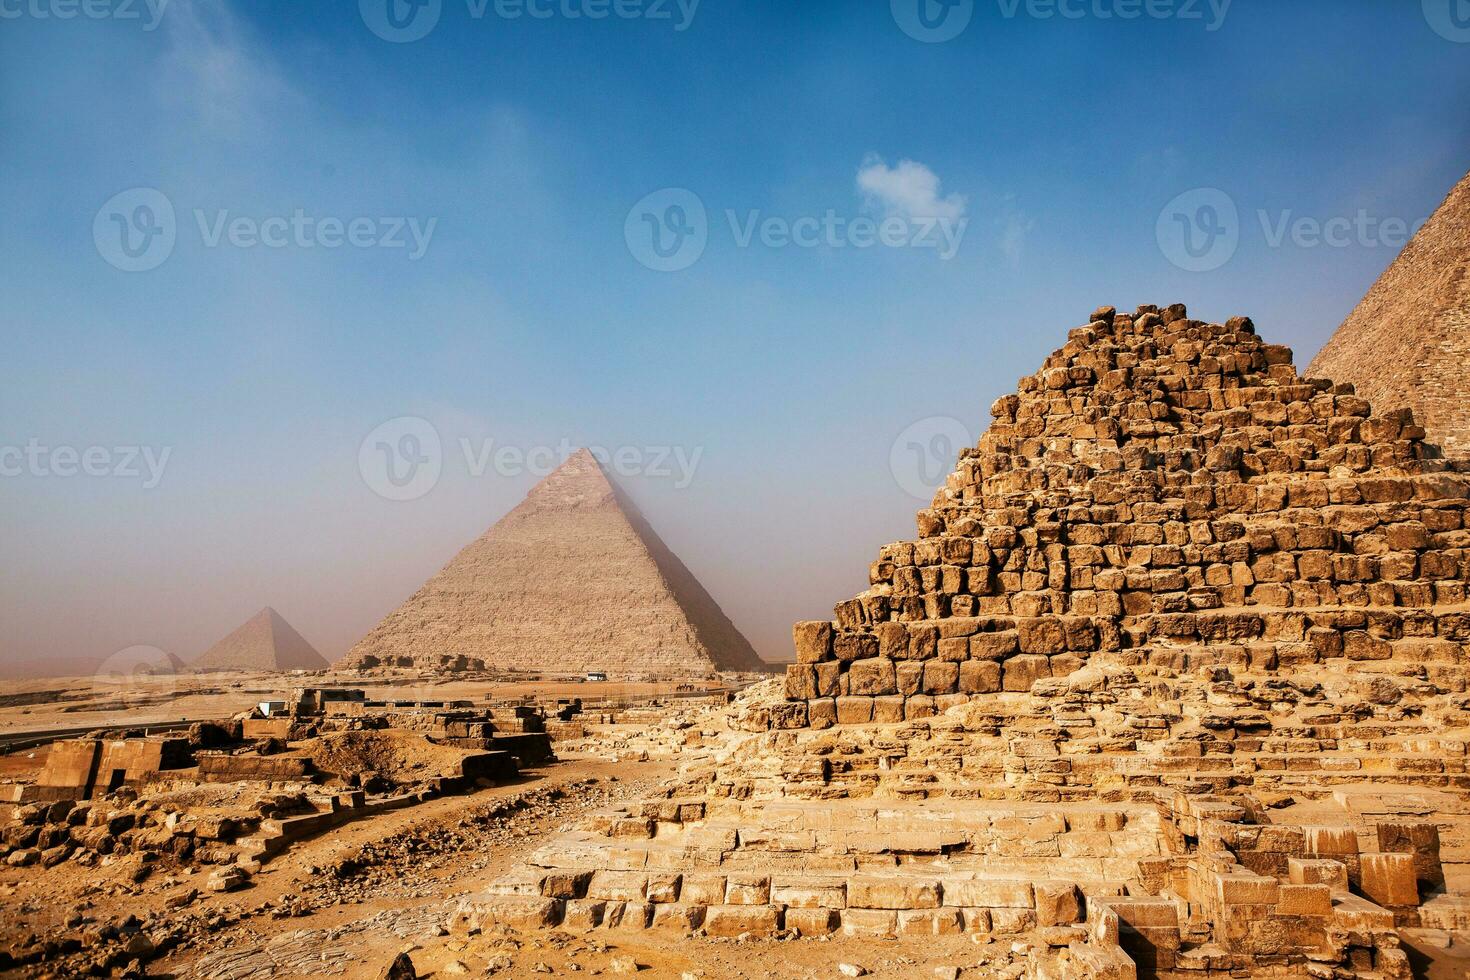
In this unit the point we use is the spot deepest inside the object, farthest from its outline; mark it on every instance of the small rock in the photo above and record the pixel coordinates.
(624, 964)
(852, 970)
(400, 969)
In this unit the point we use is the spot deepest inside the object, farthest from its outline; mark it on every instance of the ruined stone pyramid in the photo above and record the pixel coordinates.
(1172, 683)
(263, 642)
(572, 579)
(1407, 342)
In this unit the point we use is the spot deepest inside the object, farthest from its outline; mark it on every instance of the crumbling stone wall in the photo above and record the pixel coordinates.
(1160, 480)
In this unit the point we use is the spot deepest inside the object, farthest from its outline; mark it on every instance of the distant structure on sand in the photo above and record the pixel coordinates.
(1407, 342)
(265, 642)
(572, 580)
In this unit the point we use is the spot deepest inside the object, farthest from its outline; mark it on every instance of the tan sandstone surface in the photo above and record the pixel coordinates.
(1406, 342)
(572, 579)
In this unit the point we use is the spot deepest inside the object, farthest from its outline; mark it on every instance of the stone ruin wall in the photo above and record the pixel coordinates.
(1160, 482)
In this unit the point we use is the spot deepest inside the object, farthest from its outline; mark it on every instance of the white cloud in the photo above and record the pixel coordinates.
(909, 190)
(217, 71)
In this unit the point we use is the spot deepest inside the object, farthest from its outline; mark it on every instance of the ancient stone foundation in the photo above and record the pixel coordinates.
(1172, 683)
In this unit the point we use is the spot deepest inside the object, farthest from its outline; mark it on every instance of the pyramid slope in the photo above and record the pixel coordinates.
(263, 642)
(572, 579)
(1407, 342)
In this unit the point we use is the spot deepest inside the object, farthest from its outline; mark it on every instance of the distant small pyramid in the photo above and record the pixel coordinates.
(1408, 341)
(572, 579)
(264, 642)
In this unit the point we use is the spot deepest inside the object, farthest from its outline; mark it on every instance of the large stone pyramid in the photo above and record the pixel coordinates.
(265, 642)
(1408, 340)
(572, 579)
(1172, 682)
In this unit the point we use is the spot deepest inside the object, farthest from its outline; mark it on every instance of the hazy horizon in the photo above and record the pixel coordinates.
(260, 258)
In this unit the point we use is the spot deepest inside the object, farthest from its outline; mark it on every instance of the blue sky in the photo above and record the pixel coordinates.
(523, 145)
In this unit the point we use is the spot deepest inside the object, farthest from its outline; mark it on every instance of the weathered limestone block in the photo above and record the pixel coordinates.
(1319, 871)
(702, 888)
(987, 893)
(618, 886)
(979, 677)
(854, 710)
(885, 892)
(873, 677)
(1389, 879)
(679, 918)
(583, 914)
(870, 923)
(746, 889)
(808, 893)
(1020, 672)
(1058, 903)
(812, 921)
(930, 922)
(761, 921)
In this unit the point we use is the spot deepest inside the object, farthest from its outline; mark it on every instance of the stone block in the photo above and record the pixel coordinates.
(1010, 922)
(888, 710)
(1043, 636)
(762, 921)
(1309, 900)
(813, 642)
(870, 923)
(821, 713)
(702, 889)
(930, 922)
(994, 646)
(979, 677)
(678, 918)
(987, 893)
(808, 893)
(565, 884)
(1020, 672)
(811, 921)
(1318, 871)
(618, 886)
(910, 677)
(872, 678)
(941, 677)
(663, 889)
(630, 916)
(582, 914)
(747, 889)
(1058, 903)
(801, 682)
(891, 892)
(854, 711)
(1389, 879)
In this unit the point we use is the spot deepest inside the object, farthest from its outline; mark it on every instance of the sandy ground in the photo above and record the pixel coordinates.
(78, 702)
